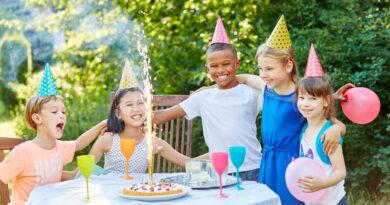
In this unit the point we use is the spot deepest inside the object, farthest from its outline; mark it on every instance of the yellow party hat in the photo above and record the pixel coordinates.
(128, 79)
(280, 38)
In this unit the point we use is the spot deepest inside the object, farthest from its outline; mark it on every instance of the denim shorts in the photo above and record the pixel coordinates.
(251, 175)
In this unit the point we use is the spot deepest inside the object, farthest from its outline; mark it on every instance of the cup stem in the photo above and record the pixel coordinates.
(86, 179)
(238, 178)
(127, 168)
(220, 185)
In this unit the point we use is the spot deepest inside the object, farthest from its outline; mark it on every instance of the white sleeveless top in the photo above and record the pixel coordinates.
(115, 162)
(335, 193)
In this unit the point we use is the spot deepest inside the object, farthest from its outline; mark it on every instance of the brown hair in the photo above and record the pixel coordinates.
(283, 56)
(318, 87)
(34, 105)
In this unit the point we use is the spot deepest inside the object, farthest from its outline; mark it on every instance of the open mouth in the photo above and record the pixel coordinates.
(60, 127)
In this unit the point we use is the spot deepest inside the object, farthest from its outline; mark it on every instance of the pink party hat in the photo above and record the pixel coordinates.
(220, 35)
(313, 66)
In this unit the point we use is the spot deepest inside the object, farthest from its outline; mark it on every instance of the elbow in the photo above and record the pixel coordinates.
(343, 174)
(79, 145)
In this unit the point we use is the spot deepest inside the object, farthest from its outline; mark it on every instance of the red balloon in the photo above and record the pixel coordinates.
(362, 105)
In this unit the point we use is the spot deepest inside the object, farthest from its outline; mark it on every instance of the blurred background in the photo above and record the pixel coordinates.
(86, 43)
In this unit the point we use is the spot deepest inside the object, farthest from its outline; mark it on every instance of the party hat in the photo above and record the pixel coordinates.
(220, 35)
(128, 79)
(47, 85)
(313, 66)
(280, 38)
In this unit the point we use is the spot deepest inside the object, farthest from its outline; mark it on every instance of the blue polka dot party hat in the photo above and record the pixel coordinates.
(47, 85)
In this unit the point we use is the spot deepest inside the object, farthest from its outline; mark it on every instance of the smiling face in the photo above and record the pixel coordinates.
(222, 66)
(51, 118)
(131, 109)
(274, 72)
(311, 107)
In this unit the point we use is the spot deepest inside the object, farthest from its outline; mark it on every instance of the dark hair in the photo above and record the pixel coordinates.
(220, 47)
(115, 124)
(318, 87)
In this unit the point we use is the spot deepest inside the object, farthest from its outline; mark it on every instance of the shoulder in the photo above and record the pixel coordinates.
(249, 89)
(106, 138)
(200, 93)
(22, 148)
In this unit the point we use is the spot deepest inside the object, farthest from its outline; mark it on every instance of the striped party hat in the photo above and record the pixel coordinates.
(280, 38)
(313, 66)
(47, 85)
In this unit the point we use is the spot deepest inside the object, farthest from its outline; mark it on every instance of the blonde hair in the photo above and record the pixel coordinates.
(318, 87)
(34, 105)
(283, 56)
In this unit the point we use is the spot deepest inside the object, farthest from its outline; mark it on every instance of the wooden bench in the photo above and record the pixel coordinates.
(177, 132)
(6, 144)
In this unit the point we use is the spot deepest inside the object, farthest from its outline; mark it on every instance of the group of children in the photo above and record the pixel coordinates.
(296, 114)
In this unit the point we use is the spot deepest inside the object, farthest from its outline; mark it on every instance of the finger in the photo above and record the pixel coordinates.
(350, 85)
(307, 190)
(333, 148)
(305, 183)
(326, 145)
(309, 177)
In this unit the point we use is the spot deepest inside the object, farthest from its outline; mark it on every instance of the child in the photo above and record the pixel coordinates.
(281, 122)
(126, 120)
(315, 104)
(40, 161)
(228, 111)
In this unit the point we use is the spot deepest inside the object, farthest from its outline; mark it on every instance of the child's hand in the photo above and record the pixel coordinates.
(104, 126)
(332, 139)
(338, 95)
(157, 150)
(310, 184)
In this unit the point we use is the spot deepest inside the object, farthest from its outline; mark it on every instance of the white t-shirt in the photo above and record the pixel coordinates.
(335, 193)
(228, 119)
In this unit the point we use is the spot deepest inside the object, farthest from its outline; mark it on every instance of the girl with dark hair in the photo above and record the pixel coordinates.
(126, 120)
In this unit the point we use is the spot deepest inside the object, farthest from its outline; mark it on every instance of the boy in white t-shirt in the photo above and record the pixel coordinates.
(228, 111)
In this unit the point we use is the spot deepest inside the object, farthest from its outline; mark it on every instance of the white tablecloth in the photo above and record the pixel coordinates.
(105, 189)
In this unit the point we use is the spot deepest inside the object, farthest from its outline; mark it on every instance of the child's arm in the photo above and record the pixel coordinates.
(252, 80)
(332, 135)
(162, 116)
(68, 175)
(338, 95)
(102, 145)
(167, 151)
(312, 184)
(87, 137)
(203, 156)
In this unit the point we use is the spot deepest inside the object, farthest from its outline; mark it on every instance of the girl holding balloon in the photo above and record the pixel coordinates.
(315, 104)
(281, 122)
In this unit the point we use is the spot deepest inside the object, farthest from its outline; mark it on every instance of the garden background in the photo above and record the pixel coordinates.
(352, 38)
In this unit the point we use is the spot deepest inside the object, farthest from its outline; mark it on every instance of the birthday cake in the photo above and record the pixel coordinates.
(159, 189)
